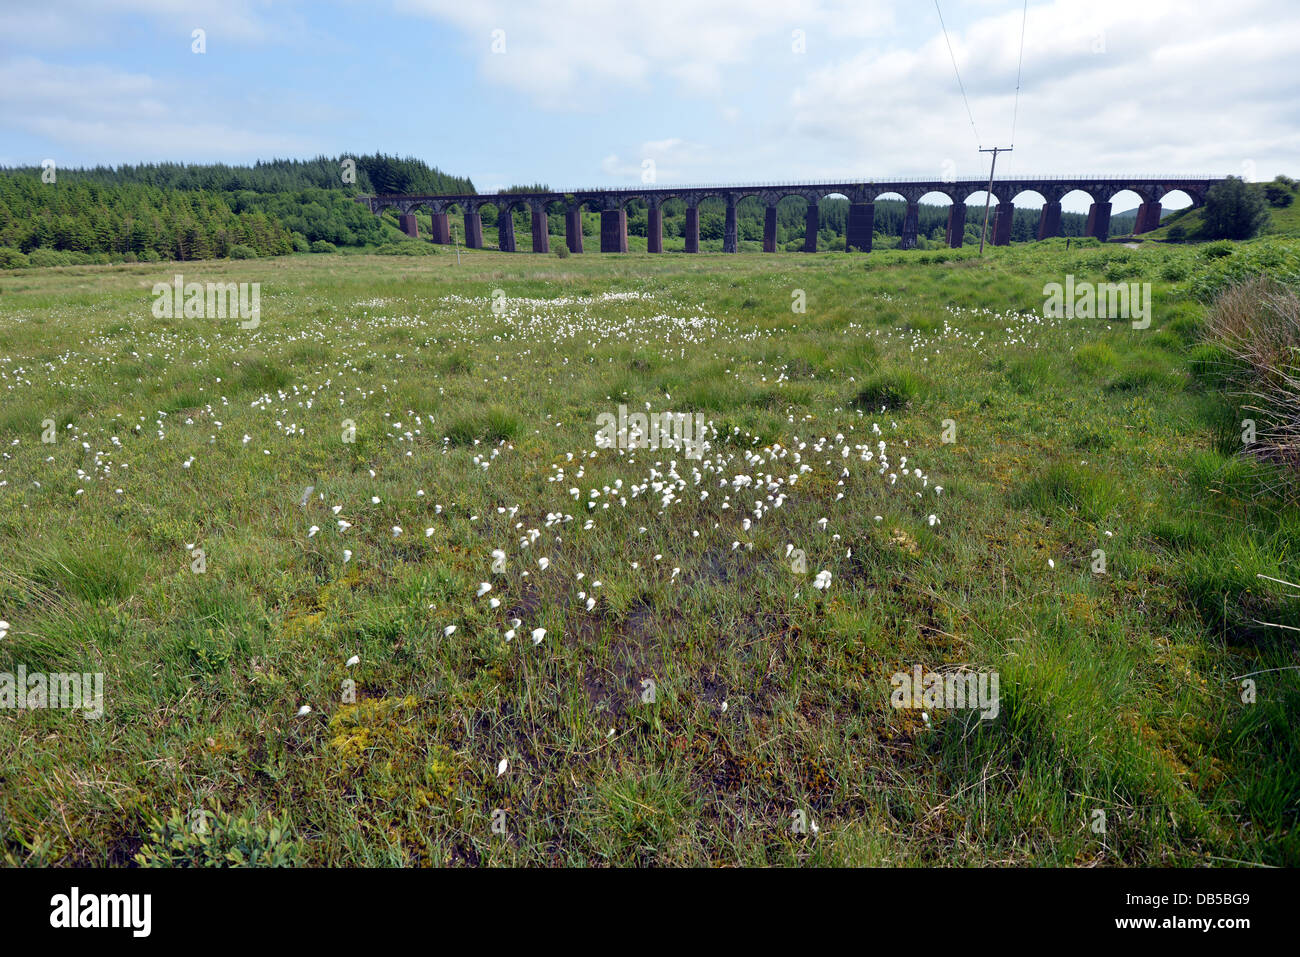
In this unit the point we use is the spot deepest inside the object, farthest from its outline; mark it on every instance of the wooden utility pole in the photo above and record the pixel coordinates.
(988, 195)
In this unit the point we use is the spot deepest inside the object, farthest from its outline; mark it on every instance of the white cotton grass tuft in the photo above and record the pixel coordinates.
(538, 635)
(483, 589)
(449, 631)
(823, 580)
(502, 767)
(304, 711)
(354, 660)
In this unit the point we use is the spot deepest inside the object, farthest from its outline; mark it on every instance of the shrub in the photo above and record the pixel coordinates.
(1178, 233)
(405, 248)
(47, 257)
(300, 243)
(1277, 260)
(323, 246)
(242, 252)
(1278, 195)
(562, 250)
(11, 258)
(1234, 210)
(1174, 270)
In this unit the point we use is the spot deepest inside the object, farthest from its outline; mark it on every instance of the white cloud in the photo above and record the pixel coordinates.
(1173, 92)
(671, 161)
(104, 111)
(1112, 86)
(571, 54)
(1108, 85)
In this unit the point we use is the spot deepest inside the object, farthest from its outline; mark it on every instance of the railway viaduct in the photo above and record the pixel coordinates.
(612, 206)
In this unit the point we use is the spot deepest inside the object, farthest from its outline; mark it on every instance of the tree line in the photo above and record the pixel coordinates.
(176, 211)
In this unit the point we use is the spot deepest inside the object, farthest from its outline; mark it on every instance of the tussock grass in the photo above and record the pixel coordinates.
(1253, 347)
(889, 390)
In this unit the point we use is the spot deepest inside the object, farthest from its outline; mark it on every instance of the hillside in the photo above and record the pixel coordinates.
(1284, 222)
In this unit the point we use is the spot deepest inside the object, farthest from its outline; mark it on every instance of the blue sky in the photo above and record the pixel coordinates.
(582, 92)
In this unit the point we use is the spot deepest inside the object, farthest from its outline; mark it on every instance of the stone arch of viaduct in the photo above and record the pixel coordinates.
(612, 207)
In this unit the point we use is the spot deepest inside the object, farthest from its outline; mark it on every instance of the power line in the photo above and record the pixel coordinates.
(1019, 63)
(960, 85)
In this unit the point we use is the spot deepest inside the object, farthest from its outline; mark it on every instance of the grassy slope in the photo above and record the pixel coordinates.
(1117, 689)
(1283, 223)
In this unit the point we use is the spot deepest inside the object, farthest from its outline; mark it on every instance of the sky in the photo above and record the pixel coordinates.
(580, 93)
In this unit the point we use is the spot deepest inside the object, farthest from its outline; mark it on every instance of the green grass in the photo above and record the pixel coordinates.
(1120, 690)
